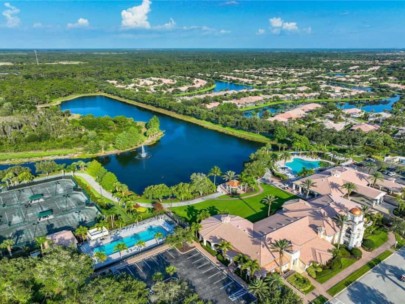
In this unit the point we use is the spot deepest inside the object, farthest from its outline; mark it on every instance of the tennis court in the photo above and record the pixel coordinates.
(209, 281)
(43, 207)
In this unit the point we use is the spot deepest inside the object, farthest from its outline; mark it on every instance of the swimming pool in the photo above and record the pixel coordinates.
(297, 164)
(130, 241)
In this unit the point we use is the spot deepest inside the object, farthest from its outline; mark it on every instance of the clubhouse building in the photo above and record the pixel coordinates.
(307, 225)
(330, 182)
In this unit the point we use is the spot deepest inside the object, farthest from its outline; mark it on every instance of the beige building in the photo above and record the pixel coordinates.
(330, 182)
(307, 225)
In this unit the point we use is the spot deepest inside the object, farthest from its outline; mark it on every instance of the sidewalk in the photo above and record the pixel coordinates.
(96, 186)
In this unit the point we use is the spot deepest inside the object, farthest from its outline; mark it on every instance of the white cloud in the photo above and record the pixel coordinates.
(276, 22)
(260, 31)
(80, 23)
(170, 25)
(137, 16)
(10, 13)
(290, 26)
(278, 25)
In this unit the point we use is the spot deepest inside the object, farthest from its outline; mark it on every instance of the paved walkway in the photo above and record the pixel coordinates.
(185, 203)
(96, 186)
(202, 199)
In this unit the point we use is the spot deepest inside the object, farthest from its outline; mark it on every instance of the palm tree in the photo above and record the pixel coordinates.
(158, 236)
(366, 211)
(224, 246)
(370, 166)
(215, 171)
(350, 187)
(375, 177)
(308, 184)
(81, 232)
(240, 259)
(280, 246)
(254, 266)
(171, 270)
(202, 215)
(195, 227)
(8, 244)
(398, 226)
(273, 280)
(100, 256)
(120, 247)
(141, 244)
(42, 241)
(269, 200)
(340, 221)
(259, 289)
(229, 175)
(285, 156)
(306, 172)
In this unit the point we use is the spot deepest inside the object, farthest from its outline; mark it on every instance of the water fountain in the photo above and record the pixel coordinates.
(143, 154)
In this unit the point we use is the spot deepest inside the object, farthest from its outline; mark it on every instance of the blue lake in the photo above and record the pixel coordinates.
(184, 149)
(229, 86)
(381, 106)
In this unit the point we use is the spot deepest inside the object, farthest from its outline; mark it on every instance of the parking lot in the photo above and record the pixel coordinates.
(381, 285)
(209, 281)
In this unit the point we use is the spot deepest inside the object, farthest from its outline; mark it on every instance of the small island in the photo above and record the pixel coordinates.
(51, 133)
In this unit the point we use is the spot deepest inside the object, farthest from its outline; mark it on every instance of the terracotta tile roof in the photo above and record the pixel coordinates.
(63, 238)
(365, 127)
(330, 182)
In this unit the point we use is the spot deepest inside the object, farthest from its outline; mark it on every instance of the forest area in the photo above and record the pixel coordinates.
(24, 86)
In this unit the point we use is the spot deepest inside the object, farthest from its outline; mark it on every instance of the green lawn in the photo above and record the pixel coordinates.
(10, 156)
(358, 273)
(400, 240)
(378, 238)
(250, 208)
(327, 274)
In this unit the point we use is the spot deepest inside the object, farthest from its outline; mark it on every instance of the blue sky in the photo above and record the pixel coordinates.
(202, 24)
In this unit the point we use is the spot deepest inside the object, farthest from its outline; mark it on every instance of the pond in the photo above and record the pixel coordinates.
(229, 86)
(184, 149)
(378, 107)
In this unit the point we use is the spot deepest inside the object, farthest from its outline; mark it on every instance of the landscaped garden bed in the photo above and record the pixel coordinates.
(301, 283)
(343, 259)
(319, 300)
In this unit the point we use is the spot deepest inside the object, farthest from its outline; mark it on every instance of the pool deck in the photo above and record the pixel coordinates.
(89, 246)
